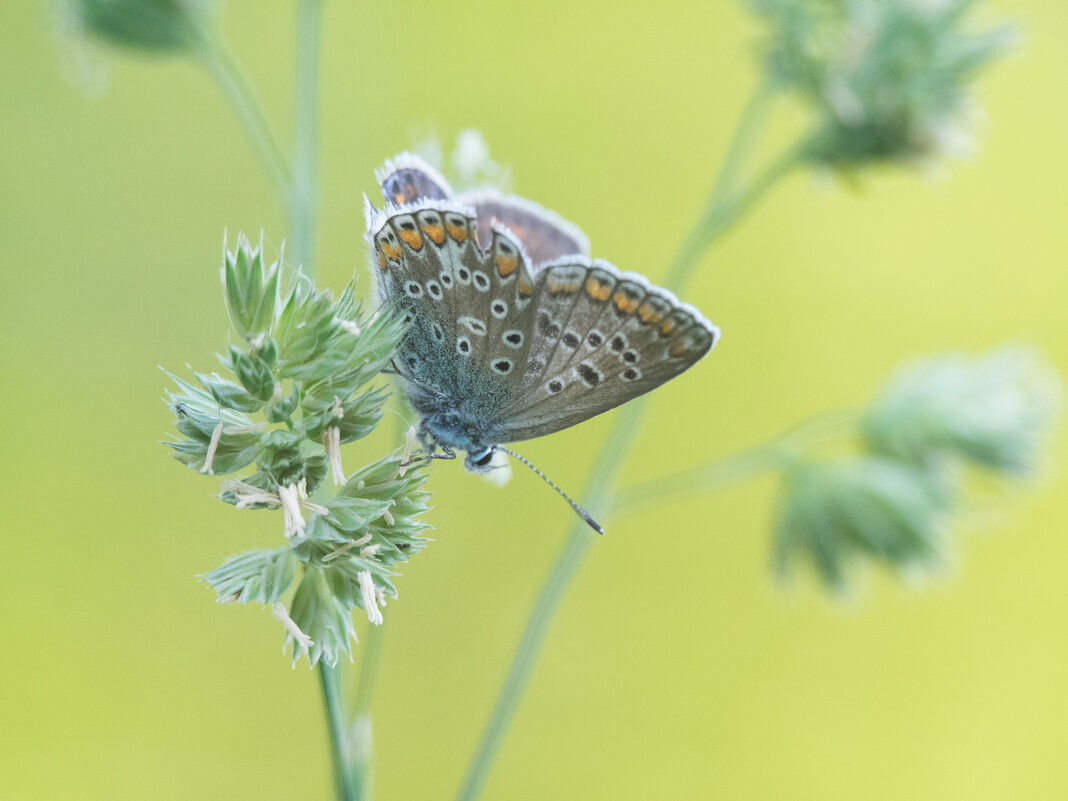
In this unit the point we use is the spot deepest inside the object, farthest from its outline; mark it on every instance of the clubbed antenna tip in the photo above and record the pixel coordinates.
(578, 509)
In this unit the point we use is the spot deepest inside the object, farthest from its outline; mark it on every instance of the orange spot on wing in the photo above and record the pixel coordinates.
(648, 314)
(457, 232)
(558, 287)
(391, 252)
(435, 232)
(667, 328)
(506, 264)
(597, 290)
(679, 348)
(399, 198)
(524, 289)
(623, 303)
(381, 259)
(411, 238)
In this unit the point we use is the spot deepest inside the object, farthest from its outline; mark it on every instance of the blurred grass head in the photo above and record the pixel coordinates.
(892, 502)
(886, 80)
(157, 27)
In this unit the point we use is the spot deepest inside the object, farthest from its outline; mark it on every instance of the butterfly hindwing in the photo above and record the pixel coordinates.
(630, 337)
(546, 236)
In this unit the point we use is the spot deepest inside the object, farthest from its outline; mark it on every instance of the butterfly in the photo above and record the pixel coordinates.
(514, 332)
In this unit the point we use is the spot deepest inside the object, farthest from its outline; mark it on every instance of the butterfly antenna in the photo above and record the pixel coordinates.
(578, 509)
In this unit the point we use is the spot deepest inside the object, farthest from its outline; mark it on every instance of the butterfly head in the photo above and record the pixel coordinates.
(480, 461)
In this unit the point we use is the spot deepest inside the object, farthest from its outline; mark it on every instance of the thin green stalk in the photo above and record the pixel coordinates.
(242, 100)
(773, 454)
(567, 563)
(361, 743)
(723, 209)
(306, 133)
(335, 718)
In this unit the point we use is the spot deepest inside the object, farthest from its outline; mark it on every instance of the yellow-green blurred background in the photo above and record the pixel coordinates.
(676, 670)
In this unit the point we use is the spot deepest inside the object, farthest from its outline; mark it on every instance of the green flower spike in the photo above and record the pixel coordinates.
(295, 390)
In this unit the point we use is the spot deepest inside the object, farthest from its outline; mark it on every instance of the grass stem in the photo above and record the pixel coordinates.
(241, 98)
(336, 728)
(306, 133)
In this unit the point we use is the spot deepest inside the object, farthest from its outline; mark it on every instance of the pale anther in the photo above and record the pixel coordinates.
(213, 446)
(282, 616)
(370, 598)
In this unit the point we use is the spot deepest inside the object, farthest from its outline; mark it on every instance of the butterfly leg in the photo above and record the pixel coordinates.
(430, 454)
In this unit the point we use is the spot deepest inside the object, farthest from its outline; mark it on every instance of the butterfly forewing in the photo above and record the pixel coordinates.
(469, 309)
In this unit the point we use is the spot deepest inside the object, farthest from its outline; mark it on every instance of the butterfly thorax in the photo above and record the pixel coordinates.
(451, 427)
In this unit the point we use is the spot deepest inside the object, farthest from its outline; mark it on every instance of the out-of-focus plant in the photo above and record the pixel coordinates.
(898, 483)
(887, 82)
(159, 27)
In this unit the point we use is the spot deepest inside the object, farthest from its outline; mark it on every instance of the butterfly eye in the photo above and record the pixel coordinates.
(483, 460)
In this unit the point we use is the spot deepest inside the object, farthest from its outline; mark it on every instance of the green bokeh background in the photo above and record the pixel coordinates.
(677, 670)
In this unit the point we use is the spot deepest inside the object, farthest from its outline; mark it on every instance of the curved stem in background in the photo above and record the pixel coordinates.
(722, 210)
(772, 454)
(335, 718)
(725, 208)
(306, 133)
(237, 91)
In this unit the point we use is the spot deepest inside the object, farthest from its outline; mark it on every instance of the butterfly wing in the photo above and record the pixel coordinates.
(512, 327)
(546, 236)
(469, 309)
(406, 178)
(600, 339)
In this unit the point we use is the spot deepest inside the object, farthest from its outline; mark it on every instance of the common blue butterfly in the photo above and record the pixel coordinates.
(514, 332)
